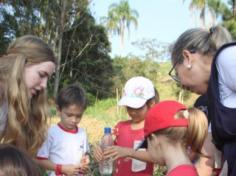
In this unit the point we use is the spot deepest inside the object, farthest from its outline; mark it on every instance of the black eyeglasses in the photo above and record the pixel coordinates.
(174, 76)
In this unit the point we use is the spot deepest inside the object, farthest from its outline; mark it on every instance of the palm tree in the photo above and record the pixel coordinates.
(202, 6)
(120, 17)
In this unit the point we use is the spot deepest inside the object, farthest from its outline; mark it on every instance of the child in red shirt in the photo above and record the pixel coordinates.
(139, 95)
(170, 129)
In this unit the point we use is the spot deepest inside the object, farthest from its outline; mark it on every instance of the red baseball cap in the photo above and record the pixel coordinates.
(162, 116)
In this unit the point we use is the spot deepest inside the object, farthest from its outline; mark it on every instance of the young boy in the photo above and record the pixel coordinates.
(64, 151)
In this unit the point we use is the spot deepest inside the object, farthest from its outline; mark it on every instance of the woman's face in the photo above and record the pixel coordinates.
(36, 76)
(193, 74)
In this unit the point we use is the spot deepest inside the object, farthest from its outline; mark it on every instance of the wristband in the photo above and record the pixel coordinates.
(58, 170)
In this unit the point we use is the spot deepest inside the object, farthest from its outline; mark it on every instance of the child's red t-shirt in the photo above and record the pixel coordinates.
(125, 137)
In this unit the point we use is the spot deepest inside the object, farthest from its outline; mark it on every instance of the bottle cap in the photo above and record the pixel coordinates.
(107, 130)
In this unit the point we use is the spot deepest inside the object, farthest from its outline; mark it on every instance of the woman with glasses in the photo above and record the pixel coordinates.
(203, 65)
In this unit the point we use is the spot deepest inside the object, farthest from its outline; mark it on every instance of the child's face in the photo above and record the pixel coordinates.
(137, 115)
(154, 149)
(71, 116)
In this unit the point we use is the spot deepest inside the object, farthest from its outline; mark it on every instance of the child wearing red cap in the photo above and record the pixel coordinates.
(139, 95)
(170, 130)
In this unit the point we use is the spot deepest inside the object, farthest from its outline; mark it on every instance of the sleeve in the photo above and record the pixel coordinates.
(43, 152)
(226, 65)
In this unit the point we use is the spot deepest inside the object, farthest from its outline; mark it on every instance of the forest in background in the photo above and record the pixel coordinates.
(82, 46)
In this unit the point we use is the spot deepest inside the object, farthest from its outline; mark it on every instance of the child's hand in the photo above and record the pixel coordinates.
(116, 152)
(97, 153)
(84, 164)
(70, 169)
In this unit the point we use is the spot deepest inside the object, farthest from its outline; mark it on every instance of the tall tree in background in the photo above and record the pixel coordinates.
(87, 60)
(59, 17)
(81, 46)
(228, 13)
(225, 10)
(202, 7)
(120, 17)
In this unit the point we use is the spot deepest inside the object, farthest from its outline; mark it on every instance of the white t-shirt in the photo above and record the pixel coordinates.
(226, 66)
(64, 147)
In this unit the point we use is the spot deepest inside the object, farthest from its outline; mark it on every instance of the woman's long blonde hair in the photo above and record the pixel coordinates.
(192, 136)
(26, 118)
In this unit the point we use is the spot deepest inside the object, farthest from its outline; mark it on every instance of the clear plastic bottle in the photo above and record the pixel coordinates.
(106, 166)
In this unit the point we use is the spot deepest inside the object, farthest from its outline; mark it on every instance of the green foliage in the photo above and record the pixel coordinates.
(228, 13)
(127, 67)
(107, 111)
(17, 18)
(85, 57)
(85, 45)
(52, 111)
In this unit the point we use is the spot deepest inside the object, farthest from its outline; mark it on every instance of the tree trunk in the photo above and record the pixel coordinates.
(234, 7)
(59, 48)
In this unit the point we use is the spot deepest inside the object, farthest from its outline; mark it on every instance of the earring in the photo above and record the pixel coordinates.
(189, 66)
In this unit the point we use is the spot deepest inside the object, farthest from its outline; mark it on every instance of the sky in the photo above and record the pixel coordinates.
(162, 20)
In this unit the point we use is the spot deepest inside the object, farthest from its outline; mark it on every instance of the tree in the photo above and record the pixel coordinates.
(227, 12)
(153, 49)
(127, 67)
(81, 46)
(17, 18)
(202, 6)
(120, 17)
(59, 16)
(86, 59)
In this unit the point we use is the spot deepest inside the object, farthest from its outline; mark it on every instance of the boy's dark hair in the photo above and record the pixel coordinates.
(13, 161)
(72, 94)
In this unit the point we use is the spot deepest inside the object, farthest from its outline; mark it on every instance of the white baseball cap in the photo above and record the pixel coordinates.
(137, 91)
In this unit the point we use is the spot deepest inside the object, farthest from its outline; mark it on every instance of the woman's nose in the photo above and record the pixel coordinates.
(44, 83)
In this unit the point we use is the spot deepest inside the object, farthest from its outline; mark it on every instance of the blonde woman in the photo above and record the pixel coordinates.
(24, 72)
